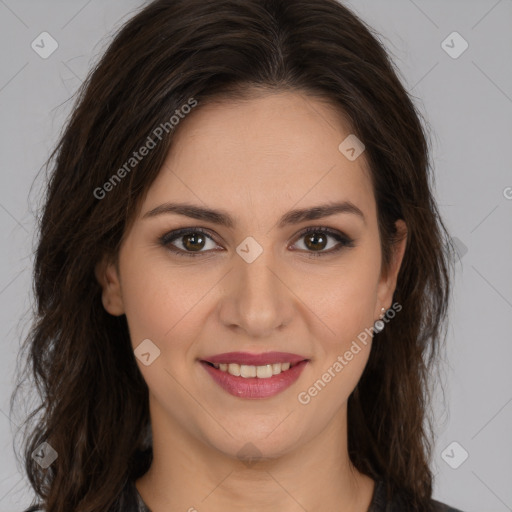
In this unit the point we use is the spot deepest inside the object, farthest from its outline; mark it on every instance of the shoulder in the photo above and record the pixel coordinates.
(398, 503)
(442, 507)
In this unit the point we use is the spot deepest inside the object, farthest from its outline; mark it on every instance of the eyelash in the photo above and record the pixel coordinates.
(344, 240)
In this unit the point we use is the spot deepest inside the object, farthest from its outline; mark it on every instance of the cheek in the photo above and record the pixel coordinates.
(344, 300)
(159, 302)
(343, 342)
(163, 306)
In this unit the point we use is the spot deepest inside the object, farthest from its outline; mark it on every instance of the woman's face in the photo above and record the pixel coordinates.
(258, 285)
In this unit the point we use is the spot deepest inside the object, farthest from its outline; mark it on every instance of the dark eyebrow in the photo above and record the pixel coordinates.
(223, 218)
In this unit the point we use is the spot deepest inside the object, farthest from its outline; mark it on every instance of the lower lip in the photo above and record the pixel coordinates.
(254, 387)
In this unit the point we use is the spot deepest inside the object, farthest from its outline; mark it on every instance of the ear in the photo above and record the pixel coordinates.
(107, 274)
(387, 282)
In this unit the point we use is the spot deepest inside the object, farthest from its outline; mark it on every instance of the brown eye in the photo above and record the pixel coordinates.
(188, 242)
(317, 239)
(193, 242)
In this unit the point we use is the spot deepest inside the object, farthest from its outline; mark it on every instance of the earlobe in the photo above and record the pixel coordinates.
(107, 275)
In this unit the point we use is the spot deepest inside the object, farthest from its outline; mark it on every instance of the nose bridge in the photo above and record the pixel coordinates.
(260, 299)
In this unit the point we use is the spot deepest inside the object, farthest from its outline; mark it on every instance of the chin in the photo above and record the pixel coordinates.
(249, 445)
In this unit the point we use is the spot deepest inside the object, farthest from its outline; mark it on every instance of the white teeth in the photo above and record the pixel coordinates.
(234, 369)
(248, 371)
(264, 372)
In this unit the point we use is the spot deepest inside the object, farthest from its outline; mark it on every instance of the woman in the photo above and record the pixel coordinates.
(241, 277)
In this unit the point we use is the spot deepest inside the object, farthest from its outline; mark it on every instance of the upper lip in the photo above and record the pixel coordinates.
(255, 359)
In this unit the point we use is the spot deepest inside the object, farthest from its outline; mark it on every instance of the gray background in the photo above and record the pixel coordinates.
(468, 103)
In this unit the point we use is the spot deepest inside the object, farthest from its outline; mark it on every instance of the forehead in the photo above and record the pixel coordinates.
(278, 149)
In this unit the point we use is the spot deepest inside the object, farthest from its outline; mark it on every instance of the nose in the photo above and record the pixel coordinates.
(256, 298)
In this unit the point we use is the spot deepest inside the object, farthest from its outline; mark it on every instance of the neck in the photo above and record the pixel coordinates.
(189, 474)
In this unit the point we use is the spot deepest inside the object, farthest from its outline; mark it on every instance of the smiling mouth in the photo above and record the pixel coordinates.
(255, 382)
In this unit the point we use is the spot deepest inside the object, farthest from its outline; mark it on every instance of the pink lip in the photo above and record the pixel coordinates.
(255, 387)
(255, 359)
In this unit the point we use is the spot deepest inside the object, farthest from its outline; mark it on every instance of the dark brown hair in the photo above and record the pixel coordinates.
(94, 401)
